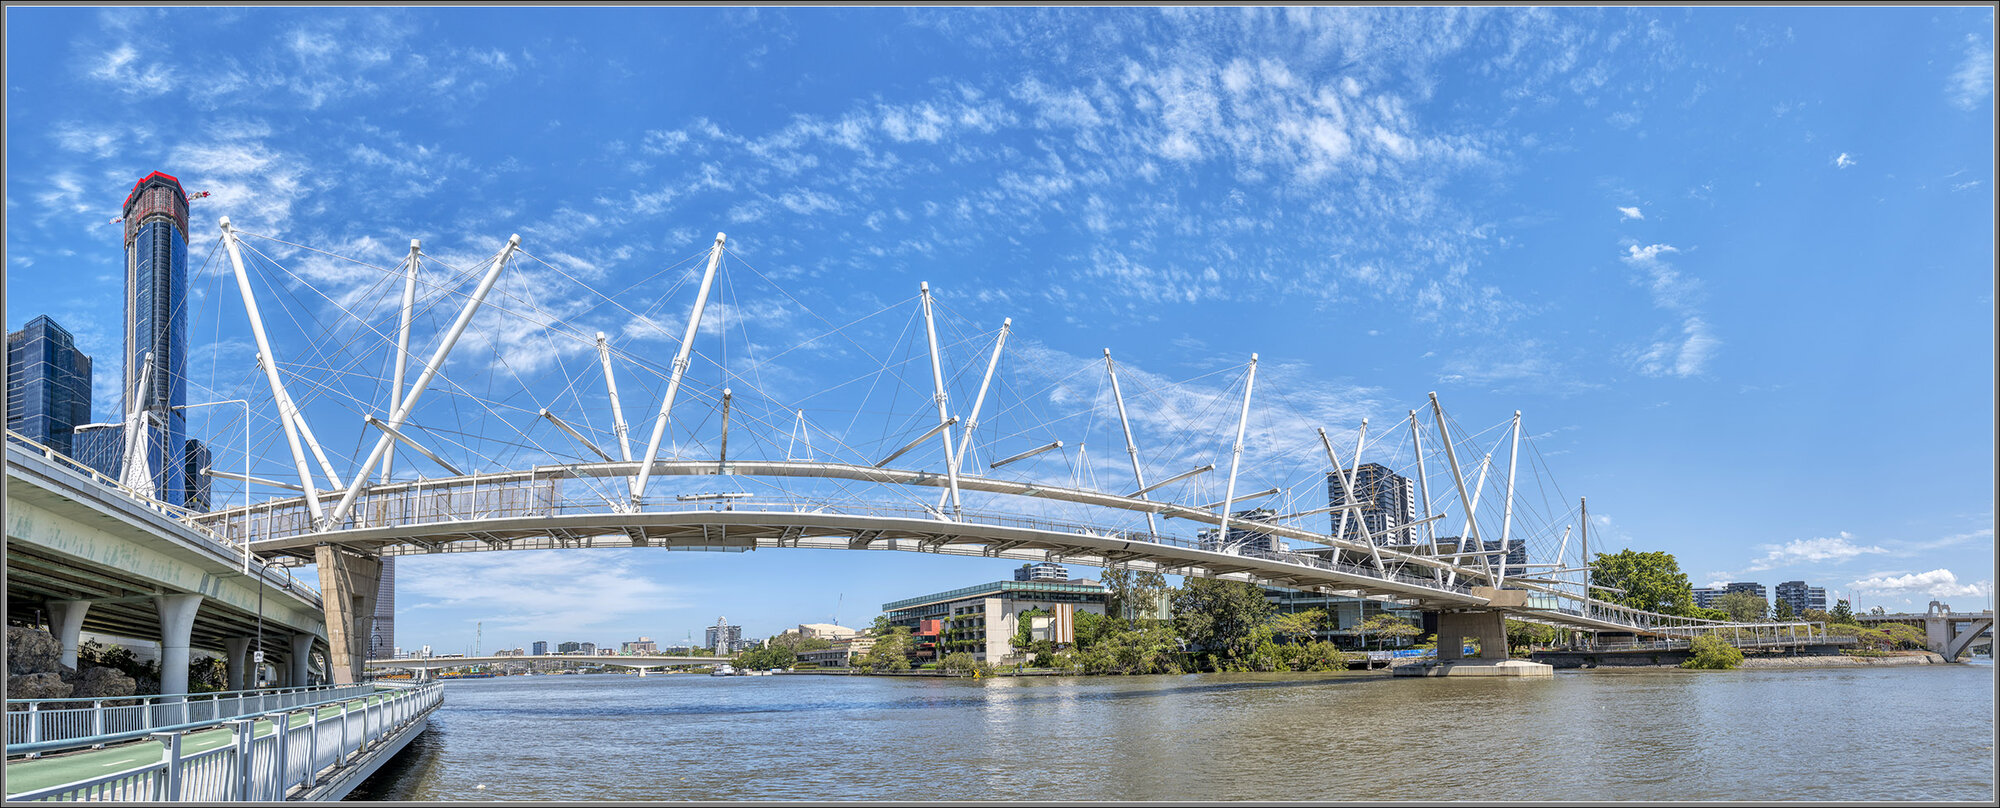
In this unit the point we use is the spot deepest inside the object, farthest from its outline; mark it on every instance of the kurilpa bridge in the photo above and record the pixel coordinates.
(555, 466)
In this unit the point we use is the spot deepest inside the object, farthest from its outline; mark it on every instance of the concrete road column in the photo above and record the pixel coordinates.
(176, 627)
(66, 617)
(1450, 637)
(301, 660)
(347, 585)
(237, 652)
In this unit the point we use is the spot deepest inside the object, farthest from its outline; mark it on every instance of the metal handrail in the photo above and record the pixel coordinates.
(268, 759)
(98, 724)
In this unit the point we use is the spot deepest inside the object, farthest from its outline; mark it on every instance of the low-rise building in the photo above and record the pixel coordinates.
(842, 654)
(1344, 615)
(644, 645)
(983, 619)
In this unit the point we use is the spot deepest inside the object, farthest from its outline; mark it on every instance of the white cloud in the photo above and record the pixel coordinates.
(1843, 161)
(1680, 354)
(1631, 213)
(1683, 355)
(534, 591)
(1973, 81)
(1636, 253)
(121, 67)
(1837, 549)
(1938, 583)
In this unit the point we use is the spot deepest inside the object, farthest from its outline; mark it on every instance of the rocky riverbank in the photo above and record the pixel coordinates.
(35, 671)
(1842, 660)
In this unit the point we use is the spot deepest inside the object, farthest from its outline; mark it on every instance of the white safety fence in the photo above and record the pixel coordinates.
(44, 725)
(267, 757)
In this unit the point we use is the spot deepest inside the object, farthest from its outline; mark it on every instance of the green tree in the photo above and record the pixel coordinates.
(1387, 629)
(1712, 653)
(1742, 607)
(1521, 635)
(1297, 627)
(1842, 613)
(798, 643)
(1219, 617)
(959, 663)
(1649, 581)
(891, 651)
(1782, 610)
(1902, 635)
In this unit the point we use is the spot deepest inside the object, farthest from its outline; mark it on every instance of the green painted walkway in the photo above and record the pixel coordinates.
(70, 767)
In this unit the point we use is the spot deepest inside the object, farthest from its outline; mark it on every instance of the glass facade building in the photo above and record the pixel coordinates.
(48, 384)
(1388, 503)
(156, 214)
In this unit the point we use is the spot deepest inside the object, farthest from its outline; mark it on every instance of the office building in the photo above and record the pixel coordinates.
(822, 631)
(48, 384)
(196, 460)
(724, 638)
(541, 648)
(587, 648)
(644, 645)
(1802, 597)
(383, 635)
(842, 654)
(569, 648)
(981, 620)
(1388, 505)
(1241, 536)
(1707, 596)
(101, 447)
(156, 221)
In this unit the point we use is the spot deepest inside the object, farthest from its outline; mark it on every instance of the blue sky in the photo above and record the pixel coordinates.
(1734, 265)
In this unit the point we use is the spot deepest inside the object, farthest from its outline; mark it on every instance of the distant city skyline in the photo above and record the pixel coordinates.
(1733, 265)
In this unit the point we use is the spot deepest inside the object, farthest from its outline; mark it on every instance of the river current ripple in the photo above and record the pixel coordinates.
(1879, 733)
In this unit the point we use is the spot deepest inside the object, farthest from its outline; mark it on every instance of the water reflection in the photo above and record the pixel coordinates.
(1924, 732)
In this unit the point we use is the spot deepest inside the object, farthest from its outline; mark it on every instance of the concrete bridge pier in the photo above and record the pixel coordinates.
(347, 583)
(176, 631)
(300, 663)
(237, 651)
(66, 616)
(1488, 627)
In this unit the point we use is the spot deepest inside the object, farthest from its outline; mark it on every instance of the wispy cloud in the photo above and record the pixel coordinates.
(1844, 161)
(1972, 82)
(1681, 353)
(1626, 214)
(536, 592)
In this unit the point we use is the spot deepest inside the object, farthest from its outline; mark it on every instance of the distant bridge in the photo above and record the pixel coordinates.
(1947, 633)
(641, 661)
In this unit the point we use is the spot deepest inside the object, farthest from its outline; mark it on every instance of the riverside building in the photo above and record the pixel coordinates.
(982, 620)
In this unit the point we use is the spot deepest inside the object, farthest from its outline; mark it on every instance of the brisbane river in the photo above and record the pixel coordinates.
(1846, 734)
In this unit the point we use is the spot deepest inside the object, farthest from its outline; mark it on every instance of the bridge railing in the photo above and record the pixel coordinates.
(268, 757)
(35, 726)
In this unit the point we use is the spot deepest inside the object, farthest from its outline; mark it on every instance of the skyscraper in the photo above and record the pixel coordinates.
(1388, 503)
(156, 222)
(48, 384)
(724, 638)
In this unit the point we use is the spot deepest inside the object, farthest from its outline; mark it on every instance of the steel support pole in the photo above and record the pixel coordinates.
(1347, 480)
(1507, 515)
(943, 403)
(722, 457)
(430, 371)
(611, 391)
(1583, 536)
(1423, 480)
(402, 343)
(1236, 456)
(288, 416)
(136, 459)
(979, 401)
(1131, 448)
(1457, 476)
(679, 369)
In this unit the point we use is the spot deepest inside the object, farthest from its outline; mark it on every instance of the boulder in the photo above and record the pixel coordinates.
(104, 683)
(37, 686)
(31, 650)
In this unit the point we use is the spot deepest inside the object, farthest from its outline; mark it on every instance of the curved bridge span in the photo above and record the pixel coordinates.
(575, 506)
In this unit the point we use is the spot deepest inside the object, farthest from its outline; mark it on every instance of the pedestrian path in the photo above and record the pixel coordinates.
(70, 767)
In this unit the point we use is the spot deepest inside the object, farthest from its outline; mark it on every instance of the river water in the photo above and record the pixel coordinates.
(1878, 733)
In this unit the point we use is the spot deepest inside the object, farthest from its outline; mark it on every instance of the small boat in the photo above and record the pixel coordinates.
(724, 669)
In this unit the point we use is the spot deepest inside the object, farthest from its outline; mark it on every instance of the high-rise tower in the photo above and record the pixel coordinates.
(156, 222)
(48, 384)
(1387, 499)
